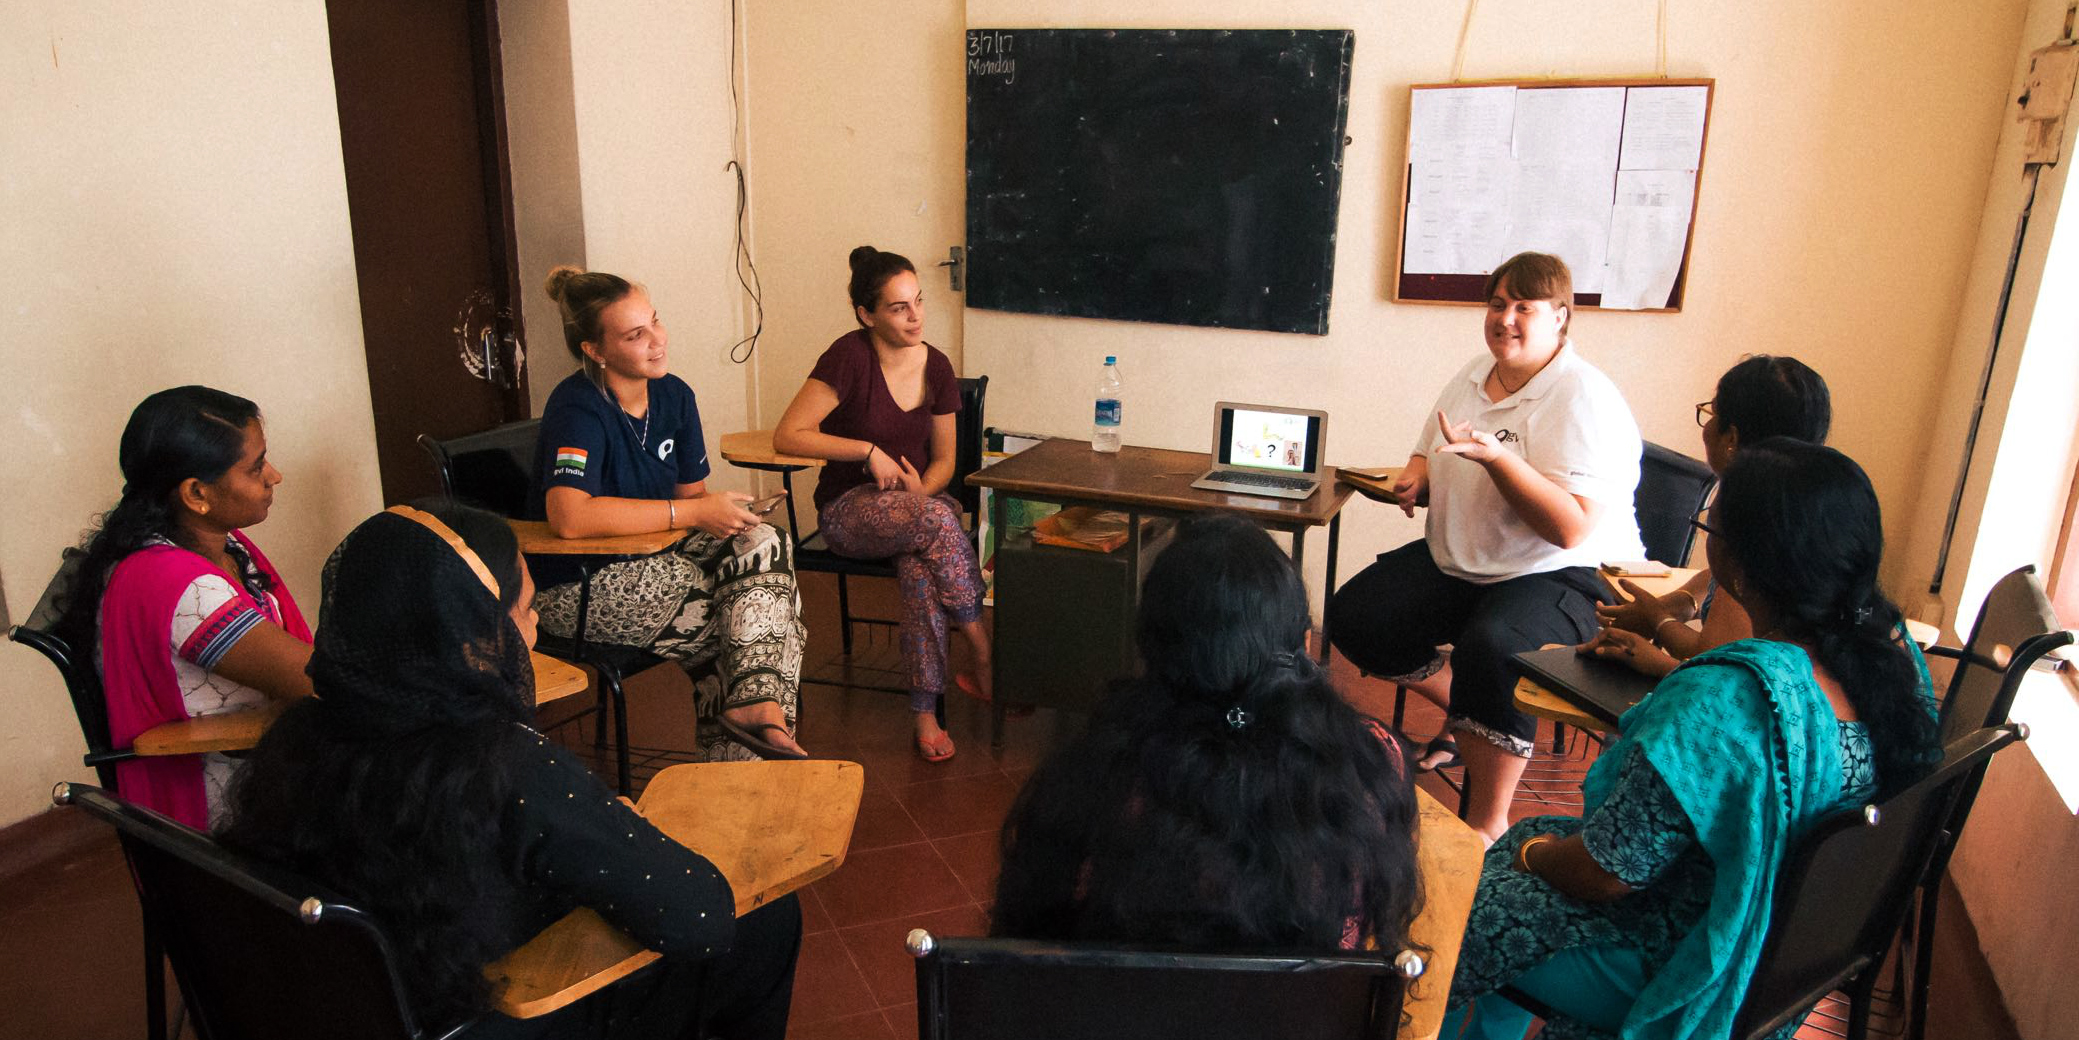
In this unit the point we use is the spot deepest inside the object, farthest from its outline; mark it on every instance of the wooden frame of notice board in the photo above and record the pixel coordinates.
(1458, 167)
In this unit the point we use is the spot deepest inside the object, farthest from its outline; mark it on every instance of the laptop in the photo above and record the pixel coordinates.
(1604, 689)
(1259, 449)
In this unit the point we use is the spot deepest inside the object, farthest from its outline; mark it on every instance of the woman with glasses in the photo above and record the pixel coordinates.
(1759, 398)
(1528, 470)
(1644, 916)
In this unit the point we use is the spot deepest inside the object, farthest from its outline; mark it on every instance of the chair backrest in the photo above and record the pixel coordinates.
(1672, 487)
(39, 631)
(492, 469)
(258, 950)
(1011, 989)
(2016, 627)
(967, 454)
(1846, 887)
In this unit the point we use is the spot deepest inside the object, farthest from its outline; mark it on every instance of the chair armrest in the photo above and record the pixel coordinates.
(230, 731)
(1954, 653)
(535, 537)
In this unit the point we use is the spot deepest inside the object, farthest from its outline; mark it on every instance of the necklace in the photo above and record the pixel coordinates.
(643, 438)
(1510, 391)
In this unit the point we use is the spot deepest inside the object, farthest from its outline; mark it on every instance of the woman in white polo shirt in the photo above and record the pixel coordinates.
(1527, 466)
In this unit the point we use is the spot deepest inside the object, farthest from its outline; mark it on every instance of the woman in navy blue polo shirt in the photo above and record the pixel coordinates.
(621, 453)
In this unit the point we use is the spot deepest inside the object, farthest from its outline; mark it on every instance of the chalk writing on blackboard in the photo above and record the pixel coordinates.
(989, 54)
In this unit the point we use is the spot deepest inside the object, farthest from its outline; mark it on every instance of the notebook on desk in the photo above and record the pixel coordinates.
(1265, 450)
(1604, 689)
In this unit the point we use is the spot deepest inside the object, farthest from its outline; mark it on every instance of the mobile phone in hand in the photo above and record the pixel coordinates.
(766, 505)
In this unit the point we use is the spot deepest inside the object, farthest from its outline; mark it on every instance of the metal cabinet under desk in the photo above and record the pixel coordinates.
(1064, 620)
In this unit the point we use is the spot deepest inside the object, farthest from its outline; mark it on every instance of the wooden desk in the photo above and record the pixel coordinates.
(752, 449)
(1533, 698)
(1447, 855)
(535, 537)
(241, 730)
(1157, 482)
(555, 679)
(770, 827)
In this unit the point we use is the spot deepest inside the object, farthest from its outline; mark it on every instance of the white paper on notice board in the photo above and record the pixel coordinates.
(1649, 227)
(1563, 208)
(1461, 123)
(1579, 125)
(1457, 215)
(1664, 128)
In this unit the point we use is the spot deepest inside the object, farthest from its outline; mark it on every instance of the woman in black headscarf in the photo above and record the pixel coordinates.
(414, 786)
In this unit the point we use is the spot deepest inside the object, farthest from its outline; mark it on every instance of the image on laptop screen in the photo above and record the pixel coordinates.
(1269, 440)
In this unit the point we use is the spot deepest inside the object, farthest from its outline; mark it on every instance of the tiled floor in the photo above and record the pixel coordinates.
(923, 854)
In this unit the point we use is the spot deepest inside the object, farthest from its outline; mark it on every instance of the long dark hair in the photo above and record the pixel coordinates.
(393, 784)
(1767, 396)
(1228, 797)
(1800, 522)
(173, 435)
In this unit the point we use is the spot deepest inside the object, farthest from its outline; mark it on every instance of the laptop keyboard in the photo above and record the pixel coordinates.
(1227, 476)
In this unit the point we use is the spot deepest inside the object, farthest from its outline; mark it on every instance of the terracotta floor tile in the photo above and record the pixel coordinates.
(902, 1019)
(888, 968)
(813, 917)
(827, 985)
(882, 822)
(888, 883)
(962, 805)
(973, 859)
(871, 1025)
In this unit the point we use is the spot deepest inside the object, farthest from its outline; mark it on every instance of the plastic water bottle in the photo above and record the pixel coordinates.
(1104, 434)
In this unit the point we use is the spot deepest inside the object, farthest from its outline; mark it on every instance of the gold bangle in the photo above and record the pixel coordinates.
(1523, 851)
(1663, 624)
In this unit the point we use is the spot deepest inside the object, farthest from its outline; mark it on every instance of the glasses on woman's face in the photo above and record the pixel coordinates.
(1704, 411)
(1697, 522)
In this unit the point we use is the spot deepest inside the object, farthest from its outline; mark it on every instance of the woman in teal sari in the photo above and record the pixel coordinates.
(1643, 917)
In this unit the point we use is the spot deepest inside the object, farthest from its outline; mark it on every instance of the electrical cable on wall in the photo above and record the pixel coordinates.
(746, 268)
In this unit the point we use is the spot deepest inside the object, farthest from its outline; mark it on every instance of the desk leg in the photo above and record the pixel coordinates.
(1335, 536)
(996, 709)
(1133, 564)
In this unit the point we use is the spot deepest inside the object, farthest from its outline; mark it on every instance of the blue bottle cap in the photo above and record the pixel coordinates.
(1110, 360)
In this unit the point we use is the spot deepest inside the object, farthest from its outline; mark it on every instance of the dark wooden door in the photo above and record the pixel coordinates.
(422, 129)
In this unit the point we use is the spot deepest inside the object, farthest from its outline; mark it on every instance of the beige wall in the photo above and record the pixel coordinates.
(858, 139)
(1802, 245)
(651, 90)
(542, 142)
(176, 212)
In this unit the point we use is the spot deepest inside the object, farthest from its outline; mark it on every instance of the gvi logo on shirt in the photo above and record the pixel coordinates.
(664, 449)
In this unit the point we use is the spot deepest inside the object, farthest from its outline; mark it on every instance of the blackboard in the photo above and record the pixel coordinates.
(1189, 177)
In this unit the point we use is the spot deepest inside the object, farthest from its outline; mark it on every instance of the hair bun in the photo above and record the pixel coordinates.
(861, 256)
(559, 279)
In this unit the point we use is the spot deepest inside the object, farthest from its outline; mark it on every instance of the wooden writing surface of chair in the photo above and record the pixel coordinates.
(769, 827)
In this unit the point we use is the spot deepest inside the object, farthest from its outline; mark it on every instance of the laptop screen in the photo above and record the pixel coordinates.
(1279, 441)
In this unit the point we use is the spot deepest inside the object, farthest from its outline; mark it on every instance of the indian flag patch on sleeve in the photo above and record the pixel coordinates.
(570, 462)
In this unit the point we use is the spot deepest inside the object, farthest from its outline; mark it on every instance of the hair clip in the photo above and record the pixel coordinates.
(1237, 718)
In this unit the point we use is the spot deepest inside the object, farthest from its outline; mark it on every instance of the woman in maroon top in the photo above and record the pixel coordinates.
(880, 404)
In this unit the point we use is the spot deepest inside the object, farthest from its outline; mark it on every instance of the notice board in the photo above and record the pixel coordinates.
(1190, 177)
(1603, 173)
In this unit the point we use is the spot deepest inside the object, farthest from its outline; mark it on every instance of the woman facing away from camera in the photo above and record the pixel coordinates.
(1226, 798)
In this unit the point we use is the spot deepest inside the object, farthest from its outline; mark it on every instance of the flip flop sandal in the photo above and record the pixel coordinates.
(754, 738)
(1446, 746)
(938, 752)
(967, 684)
